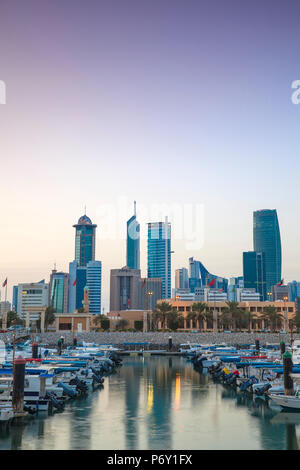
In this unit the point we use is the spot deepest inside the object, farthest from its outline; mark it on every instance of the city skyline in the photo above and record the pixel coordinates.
(201, 100)
(105, 294)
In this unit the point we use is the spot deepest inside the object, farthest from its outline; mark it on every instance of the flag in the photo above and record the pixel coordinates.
(4, 283)
(74, 283)
(211, 283)
(144, 283)
(221, 290)
(280, 283)
(128, 303)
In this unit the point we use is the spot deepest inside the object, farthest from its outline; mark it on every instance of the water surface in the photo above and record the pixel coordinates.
(159, 403)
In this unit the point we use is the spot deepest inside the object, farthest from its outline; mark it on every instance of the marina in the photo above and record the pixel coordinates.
(149, 402)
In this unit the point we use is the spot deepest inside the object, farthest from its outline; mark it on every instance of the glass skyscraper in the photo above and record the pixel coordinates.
(84, 241)
(59, 284)
(159, 254)
(94, 274)
(133, 242)
(254, 272)
(266, 239)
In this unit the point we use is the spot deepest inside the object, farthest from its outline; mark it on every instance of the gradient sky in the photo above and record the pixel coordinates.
(175, 101)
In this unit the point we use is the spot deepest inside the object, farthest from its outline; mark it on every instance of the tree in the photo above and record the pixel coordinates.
(248, 318)
(233, 312)
(49, 316)
(13, 317)
(174, 320)
(105, 323)
(199, 308)
(296, 320)
(162, 312)
(271, 315)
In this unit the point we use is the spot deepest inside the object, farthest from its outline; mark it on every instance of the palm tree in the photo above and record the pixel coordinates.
(191, 316)
(162, 311)
(234, 312)
(249, 317)
(270, 314)
(199, 308)
(49, 316)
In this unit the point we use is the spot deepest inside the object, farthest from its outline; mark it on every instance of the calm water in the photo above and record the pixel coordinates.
(159, 403)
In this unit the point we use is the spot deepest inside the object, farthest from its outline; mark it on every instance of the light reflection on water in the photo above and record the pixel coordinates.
(159, 403)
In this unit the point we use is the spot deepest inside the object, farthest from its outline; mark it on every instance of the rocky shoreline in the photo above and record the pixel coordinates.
(159, 339)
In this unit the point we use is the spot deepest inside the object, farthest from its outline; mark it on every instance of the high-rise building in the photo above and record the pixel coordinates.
(266, 239)
(254, 272)
(85, 240)
(124, 289)
(58, 291)
(77, 283)
(201, 277)
(5, 307)
(93, 282)
(294, 290)
(181, 278)
(15, 299)
(159, 254)
(35, 294)
(150, 292)
(133, 242)
(280, 293)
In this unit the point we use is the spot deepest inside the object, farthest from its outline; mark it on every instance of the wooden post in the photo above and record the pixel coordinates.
(18, 385)
(282, 348)
(287, 369)
(35, 349)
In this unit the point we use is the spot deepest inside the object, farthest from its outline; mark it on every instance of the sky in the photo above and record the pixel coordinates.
(174, 103)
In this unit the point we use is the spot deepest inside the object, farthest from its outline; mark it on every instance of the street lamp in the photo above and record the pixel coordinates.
(286, 327)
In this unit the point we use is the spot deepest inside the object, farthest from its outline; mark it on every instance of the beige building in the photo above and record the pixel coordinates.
(131, 316)
(124, 288)
(285, 309)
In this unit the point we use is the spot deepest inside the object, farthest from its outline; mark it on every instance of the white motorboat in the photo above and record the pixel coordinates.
(289, 402)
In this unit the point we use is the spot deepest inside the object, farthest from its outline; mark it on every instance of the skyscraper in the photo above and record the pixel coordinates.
(159, 254)
(254, 272)
(201, 277)
(181, 278)
(266, 239)
(94, 277)
(124, 289)
(58, 291)
(84, 240)
(133, 242)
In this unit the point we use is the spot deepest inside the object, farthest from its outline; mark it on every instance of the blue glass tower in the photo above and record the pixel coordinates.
(159, 254)
(59, 291)
(266, 239)
(84, 240)
(254, 272)
(94, 273)
(201, 277)
(133, 242)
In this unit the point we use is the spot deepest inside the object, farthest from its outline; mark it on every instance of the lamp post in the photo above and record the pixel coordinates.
(150, 304)
(285, 314)
(269, 294)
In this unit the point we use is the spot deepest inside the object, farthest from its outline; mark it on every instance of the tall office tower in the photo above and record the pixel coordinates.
(181, 278)
(133, 242)
(254, 271)
(159, 254)
(85, 236)
(124, 289)
(77, 283)
(32, 294)
(93, 282)
(58, 291)
(294, 290)
(266, 239)
(150, 292)
(15, 299)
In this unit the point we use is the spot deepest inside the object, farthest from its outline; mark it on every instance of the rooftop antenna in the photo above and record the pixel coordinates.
(84, 210)
(135, 208)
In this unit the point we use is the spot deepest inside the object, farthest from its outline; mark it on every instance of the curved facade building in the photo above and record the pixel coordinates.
(133, 242)
(266, 239)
